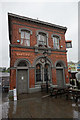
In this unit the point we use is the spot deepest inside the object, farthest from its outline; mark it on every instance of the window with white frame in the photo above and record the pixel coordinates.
(56, 42)
(42, 40)
(25, 38)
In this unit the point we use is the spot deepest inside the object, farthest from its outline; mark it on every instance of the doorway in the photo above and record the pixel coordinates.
(60, 74)
(22, 77)
(22, 81)
(60, 78)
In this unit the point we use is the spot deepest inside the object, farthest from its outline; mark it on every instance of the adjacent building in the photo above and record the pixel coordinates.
(78, 66)
(72, 69)
(29, 39)
(4, 81)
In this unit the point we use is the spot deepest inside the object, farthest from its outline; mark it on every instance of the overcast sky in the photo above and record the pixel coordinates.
(60, 13)
(79, 31)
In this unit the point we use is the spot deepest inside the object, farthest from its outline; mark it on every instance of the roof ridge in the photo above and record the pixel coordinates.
(37, 21)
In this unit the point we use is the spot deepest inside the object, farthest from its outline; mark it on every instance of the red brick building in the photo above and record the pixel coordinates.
(29, 38)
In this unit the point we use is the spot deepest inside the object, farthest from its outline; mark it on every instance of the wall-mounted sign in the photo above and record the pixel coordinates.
(68, 44)
(22, 54)
(72, 67)
(78, 67)
(78, 64)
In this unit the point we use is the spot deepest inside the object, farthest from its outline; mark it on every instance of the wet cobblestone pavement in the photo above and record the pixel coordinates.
(40, 105)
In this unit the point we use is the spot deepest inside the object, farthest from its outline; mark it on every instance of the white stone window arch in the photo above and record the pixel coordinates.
(25, 36)
(56, 41)
(42, 38)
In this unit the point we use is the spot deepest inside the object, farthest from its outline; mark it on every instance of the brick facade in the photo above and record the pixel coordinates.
(18, 52)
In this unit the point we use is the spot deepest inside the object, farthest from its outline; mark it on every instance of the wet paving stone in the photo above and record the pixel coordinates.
(5, 105)
(39, 105)
(5, 108)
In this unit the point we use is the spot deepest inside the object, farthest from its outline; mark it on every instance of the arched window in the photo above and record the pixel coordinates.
(58, 65)
(56, 42)
(47, 72)
(42, 39)
(38, 73)
(42, 70)
(25, 38)
(22, 63)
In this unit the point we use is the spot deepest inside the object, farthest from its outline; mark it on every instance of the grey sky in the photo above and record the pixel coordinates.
(60, 13)
(79, 31)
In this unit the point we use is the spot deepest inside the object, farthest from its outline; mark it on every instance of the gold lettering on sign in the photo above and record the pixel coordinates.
(22, 54)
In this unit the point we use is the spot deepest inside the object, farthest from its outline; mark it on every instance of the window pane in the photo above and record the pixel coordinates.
(22, 63)
(47, 72)
(42, 39)
(39, 37)
(25, 38)
(26, 43)
(56, 42)
(38, 73)
(27, 35)
(45, 40)
(21, 41)
(22, 34)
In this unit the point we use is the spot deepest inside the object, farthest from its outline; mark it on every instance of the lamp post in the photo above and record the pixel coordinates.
(46, 75)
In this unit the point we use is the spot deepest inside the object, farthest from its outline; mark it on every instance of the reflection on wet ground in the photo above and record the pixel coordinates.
(0, 102)
(40, 105)
(5, 105)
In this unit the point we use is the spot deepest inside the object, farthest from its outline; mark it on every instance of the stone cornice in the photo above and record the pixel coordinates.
(39, 48)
